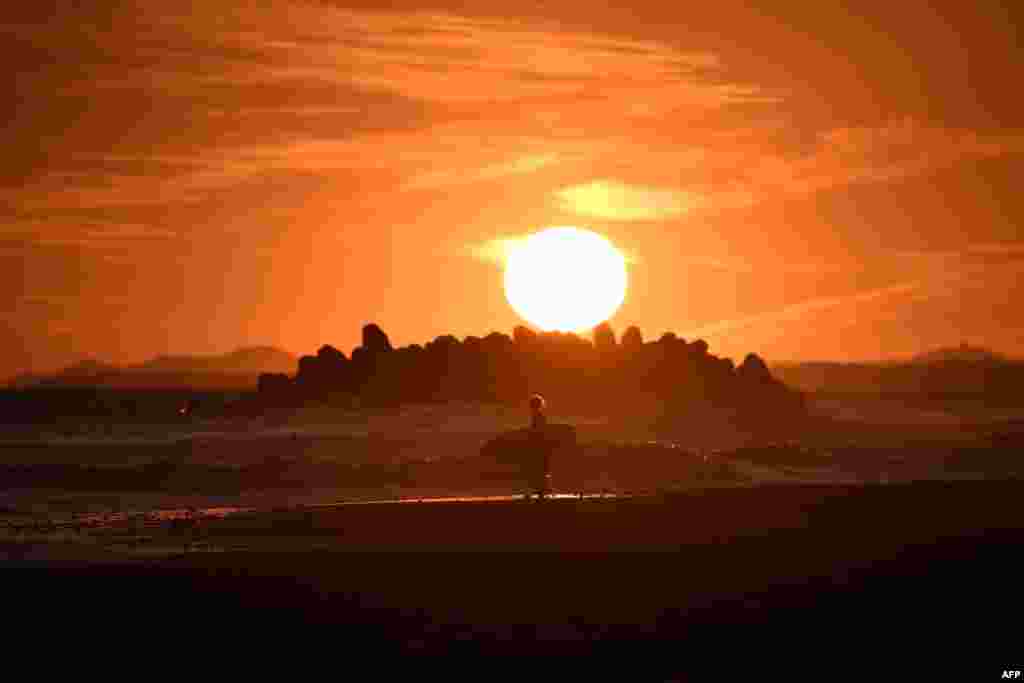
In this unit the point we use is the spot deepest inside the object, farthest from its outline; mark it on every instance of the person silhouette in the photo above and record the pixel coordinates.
(540, 446)
(537, 418)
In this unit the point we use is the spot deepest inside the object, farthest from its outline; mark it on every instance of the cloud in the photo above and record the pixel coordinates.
(618, 201)
(798, 311)
(495, 251)
(420, 100)
(464, 60)
(896, 150)
(739, 171)
(108, 240)
(944, 274)
(997, 248)
(447, 177)
(971, 260)
(428, 100)
(949, 273)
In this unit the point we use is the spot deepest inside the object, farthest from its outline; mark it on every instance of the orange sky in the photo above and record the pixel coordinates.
(809, 183)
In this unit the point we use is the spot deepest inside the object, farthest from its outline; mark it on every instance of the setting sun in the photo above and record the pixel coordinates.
(565, 279)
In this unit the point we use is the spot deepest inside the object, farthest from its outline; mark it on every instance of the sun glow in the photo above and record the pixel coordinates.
(565, 279)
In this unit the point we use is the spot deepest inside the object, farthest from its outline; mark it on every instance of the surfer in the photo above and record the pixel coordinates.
(541, 455)
(537, 418)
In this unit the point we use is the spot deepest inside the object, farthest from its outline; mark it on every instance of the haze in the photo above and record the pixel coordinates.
(807, 184)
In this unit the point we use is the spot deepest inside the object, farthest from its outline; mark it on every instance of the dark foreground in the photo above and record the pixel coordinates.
(929, 573)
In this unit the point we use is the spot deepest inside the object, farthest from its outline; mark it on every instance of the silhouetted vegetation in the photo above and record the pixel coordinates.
(660, 381)
(669, 376)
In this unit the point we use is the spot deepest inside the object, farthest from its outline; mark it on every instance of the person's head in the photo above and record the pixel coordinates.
(537, 404)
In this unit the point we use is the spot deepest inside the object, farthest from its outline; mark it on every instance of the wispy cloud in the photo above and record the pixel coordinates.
(949, 270)
(743, 171)
(798, 311)
(618, 201)
(463, 60)
(108, 241)
(447, 177)
(941, 274)
(494, 251)
(897, 150)
(414, 101)
(998, 248)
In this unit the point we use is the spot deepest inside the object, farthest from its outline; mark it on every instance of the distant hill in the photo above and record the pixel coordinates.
(963, 353)
(234, 370)
(86, 368)
(251, 360)
(962, 369)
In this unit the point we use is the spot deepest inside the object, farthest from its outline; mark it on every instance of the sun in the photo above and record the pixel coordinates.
(565, 279)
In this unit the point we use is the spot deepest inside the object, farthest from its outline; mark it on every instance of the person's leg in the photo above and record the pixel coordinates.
(540, 483)
(546, 474)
